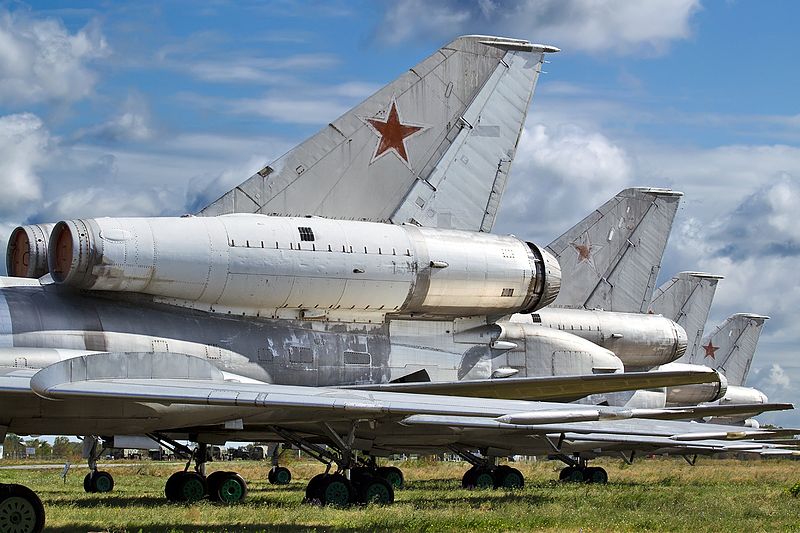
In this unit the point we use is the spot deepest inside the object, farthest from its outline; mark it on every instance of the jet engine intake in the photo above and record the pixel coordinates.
(26, 254)
(257, 264)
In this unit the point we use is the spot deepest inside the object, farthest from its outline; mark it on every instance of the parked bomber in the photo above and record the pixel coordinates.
(241, 325)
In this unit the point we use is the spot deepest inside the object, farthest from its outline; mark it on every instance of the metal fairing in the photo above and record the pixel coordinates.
(641, 341)
(611, 259)
(455, 120)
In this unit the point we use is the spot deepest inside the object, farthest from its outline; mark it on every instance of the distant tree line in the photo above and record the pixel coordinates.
(14, 447)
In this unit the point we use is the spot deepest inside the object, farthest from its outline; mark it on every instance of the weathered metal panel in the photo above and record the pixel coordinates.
(607, 259)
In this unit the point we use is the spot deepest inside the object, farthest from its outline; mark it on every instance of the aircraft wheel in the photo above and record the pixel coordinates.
(393, 475)
(279, 475)
(484, 478)
(21, 510)
(468, 479)
(171, 487)
(191, 487)
(506, 477)
(101, 481)
(572, 474)
(335, 490)
(313, 489)
(87, 483)
(213, 481)
(230, 488)
(374, 489)
(595, 474)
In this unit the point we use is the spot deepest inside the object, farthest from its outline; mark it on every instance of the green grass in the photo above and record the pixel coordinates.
(652, 495)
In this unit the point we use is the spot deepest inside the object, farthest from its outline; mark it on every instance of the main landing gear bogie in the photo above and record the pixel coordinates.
(493, 477)
(221, 486)
(583, 474)
(337, 491)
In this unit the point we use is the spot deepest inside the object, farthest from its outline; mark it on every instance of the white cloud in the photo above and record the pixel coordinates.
(24, 144)
(778, 377)
(253, 69)
(559, 175)
(291, 110)
(132, 123)
(40, 60)
(594, 26)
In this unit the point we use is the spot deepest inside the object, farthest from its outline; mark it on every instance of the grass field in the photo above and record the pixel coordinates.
(651, 495)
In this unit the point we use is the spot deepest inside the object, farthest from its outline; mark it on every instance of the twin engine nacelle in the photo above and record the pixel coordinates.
(694, 394)
(26, 254)
(256, 263)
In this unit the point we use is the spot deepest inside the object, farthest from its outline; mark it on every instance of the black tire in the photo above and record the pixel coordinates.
(101, 481)
(191, 487)
(506, 477)
(595, 474)
(573, 474)
(213, 481)
(21, 510)
(336, 491)
(87, 483)
(313, 488)
(374, 489)
(483, 478)
(468, 479)
(393, 475)
(171, 488)
(280, 476)
(230, 488)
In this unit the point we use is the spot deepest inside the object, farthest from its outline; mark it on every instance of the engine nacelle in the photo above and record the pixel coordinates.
(641, 341)
(694, 394)
(257, 264)
(26, 254)
(740, 395)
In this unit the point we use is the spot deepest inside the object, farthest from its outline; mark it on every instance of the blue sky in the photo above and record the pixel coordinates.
(156, 108)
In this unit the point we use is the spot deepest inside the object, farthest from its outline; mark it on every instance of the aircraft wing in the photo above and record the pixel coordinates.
(551, 388)
(433, 147)
(168, 378)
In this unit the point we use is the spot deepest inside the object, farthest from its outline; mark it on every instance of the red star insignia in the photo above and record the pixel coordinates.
(586, 251)
(393, 134)
(711, 350)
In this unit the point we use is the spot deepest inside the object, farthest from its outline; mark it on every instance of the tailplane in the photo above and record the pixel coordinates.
(433, 147)
(610, 260)
(686, 299)
(730, 347)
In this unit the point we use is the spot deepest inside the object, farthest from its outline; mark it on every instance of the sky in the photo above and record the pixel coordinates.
(144, 109)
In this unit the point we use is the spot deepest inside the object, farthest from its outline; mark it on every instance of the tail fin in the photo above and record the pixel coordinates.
(686, 299)
(731, 346)
(610, 260)
(433, 147)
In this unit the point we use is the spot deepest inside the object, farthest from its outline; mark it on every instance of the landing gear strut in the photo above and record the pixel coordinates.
(577, 471)
(96, 480)
(351, 482)
(486, 474)
(278, 475)
(191, 486)
(21, 510)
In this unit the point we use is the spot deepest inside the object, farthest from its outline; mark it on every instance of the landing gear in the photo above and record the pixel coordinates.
(95, 480)
(354, 481)
(98, 481)
(577, 471)
(187, 487)
(393, 475)
(21, 510)
(485, 474)
(279, 475)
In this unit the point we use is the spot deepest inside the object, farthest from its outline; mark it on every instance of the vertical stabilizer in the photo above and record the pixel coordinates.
(686, 299)
(611, 259)
(730, 347)
(433, 147)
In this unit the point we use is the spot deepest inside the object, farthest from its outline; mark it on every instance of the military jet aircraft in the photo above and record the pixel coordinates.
(232, 327)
